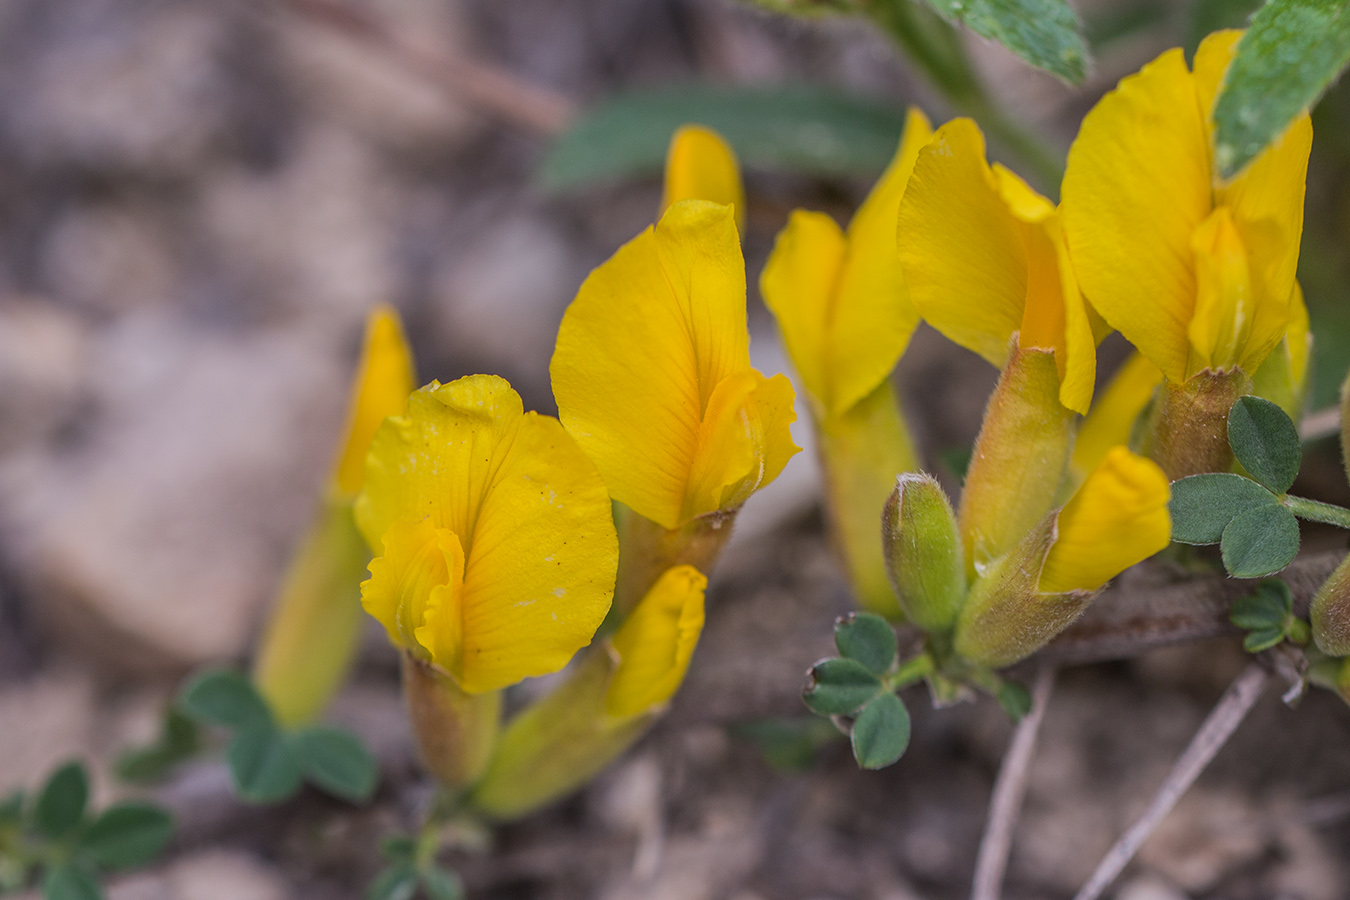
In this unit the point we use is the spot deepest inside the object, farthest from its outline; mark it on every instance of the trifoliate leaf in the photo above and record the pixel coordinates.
(1202, 505)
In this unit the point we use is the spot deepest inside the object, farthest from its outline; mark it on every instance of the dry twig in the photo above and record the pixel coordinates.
(1011, 787)
(1232, 708)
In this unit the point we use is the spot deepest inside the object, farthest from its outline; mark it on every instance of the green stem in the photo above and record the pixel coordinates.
(916, 669)
(1317, 511)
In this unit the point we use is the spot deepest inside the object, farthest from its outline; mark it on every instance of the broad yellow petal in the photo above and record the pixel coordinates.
(800, 285)
(530, 512)
(652, 332)
(1112, 418)
(700, 165)
(743, 442)
(961, 249)
(384, 379)
(1116, 518)
(655, 643)
(1137, 185)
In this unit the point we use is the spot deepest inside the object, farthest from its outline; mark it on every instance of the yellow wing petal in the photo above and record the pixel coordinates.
(1136, 187)
(700, 165)
(1225, 296)
(384, 379)
(800, 285)
(1112, 418)
(650, 335)
(960, 247)
(1118, 517)
(655, 643)
(530, 512)
(743, 443)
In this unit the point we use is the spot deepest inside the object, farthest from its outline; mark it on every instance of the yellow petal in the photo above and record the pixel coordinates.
(1118, 517)
(1225, 299)
(1113, 416)
(418, 565)
(1298, 339)
(961, 248)
(1056, 317)
(530, 512)
(700, 165)
(656, 642)
(743, 442)
(384, 379)
(1136, 187)
(651, 334)
(800, 285)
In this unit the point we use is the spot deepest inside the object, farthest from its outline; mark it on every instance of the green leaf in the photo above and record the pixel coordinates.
(1266, 607)
(1015, 700)
(1260, 541)
(127, 835)
(788, 743)
(1265, 441)
(1203, 505)
(336, 762)
(1263, 639)
(398, 848)
(224, 697)
(881, 732)
(442, 884)
(11, 809)
(1045, 33)
(840, 686)
(957, 460)
(868, 639)
(262, 764)
(808, 130)
(60, 805)
(398, 882)
(179, 739)
(1291, 53)
(66, 882)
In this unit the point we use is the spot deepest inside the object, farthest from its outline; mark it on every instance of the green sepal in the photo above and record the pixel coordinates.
(923, 552)
(880, 732)
(869, 639)
(225, 698)
(263, 765)
(1259, 542)
(127, 835)
(61, 803)
(336, 762)
(840, 686)
(1265, 441)
(1202, 505)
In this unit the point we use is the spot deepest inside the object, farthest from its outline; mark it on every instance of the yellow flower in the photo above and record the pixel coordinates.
(497, 551)
(607, 702)
(1112, 418)
(1116, 518)
(846, 318)
(652, 373)
(700, 165)
(310, 638)
(1196, 273)
(840, 299)
(985, 259)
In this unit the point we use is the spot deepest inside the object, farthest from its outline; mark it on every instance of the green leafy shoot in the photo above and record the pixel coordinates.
(179, 739)
(1267, 615)
(1292, 51)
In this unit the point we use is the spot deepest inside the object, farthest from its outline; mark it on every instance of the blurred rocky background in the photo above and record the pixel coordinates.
(199, 199)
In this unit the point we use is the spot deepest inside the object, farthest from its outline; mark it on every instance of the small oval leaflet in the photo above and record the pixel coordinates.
(1261, 541)
(881, 732)
(1265, 441)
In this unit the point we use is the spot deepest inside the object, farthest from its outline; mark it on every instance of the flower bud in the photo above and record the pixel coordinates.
(1330, 613)
(923, 552)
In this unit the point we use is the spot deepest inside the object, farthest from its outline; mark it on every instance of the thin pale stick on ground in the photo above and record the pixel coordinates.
(1011, 787)
(1232, 708)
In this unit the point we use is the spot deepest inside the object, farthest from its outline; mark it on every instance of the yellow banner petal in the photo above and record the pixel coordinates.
(656, 642)
(650, 336)
(961, 249)
(530, 512)
(1116, 518)
(1137, 185)
(384, 379)
(700, 165)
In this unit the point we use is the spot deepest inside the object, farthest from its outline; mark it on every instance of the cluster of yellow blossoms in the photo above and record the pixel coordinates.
(497, 556)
